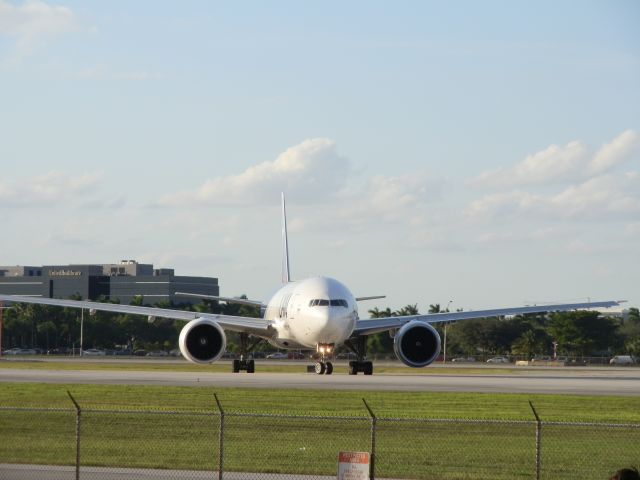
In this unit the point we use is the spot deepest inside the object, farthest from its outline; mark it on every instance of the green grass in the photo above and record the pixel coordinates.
(328, 402)
(409, 448)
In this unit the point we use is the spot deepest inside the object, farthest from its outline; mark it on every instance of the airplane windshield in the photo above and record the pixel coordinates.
(321, 302)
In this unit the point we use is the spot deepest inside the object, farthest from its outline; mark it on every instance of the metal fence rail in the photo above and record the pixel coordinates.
(97, 444)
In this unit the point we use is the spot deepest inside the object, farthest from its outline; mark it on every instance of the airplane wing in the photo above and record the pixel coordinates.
(375, 325)
(239, 301)
(255, 326)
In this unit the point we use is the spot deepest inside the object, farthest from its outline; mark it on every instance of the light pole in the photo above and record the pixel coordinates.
(81, 328)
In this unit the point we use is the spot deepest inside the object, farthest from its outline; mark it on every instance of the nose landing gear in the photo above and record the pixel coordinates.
(324, 368)
(321, 367)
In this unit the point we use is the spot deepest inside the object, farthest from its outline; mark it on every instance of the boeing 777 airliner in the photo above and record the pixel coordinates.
(318, 313)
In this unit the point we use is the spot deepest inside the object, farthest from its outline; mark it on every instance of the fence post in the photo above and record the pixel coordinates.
(372, 461)
(220, 439)
(78, 411)
(538, 439)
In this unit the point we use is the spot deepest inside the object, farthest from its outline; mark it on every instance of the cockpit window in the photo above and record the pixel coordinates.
(321, 302)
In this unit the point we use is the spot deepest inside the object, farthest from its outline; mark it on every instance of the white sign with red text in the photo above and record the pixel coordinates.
(353, 466)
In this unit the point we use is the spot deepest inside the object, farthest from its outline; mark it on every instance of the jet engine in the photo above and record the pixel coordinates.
(417, 344)
(202, 341)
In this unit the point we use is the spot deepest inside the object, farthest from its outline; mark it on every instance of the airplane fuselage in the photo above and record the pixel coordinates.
(312, 312)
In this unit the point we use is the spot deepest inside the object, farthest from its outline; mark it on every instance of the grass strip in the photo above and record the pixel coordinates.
(408, 448)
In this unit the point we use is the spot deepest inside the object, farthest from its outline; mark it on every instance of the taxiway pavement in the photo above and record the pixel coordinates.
(580, 382)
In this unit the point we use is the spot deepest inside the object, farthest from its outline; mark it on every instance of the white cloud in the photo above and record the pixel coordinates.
(604, 197)
(611, 154)
(47, 189)
(555, 164)
(552, 164)
(599, 197)
(34, 20)
(310, 170)
(389, 199)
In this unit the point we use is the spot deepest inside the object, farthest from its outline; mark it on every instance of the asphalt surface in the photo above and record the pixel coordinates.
(584, 381)
(51, 472)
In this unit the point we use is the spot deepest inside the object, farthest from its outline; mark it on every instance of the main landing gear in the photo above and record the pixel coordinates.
(245, 348)
(358, 346)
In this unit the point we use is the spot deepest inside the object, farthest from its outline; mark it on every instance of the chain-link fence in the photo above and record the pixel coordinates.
(92, 444)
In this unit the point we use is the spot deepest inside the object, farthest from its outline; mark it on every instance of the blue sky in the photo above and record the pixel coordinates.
(486, 153)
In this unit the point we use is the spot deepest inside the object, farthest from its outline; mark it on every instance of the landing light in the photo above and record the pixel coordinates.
(325, 348)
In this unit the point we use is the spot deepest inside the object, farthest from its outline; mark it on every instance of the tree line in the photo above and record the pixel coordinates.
(576, 334)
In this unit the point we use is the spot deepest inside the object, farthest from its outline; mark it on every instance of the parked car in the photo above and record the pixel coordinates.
(20, 351)
(498, 360)
(622, 360)
(277, 356)
(157, 353)
(346, 356)
(542, 360)
(94, 352)
(463, 360)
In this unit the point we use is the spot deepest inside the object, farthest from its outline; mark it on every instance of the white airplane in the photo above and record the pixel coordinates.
(318, 313)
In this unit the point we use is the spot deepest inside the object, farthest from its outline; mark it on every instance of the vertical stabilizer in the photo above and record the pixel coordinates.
(286, 278)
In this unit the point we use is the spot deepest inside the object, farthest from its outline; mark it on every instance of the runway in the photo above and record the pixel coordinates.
(579, 382)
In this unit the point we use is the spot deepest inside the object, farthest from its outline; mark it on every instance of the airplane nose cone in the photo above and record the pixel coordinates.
(330, 325)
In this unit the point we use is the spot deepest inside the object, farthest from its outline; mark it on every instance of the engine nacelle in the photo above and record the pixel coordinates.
(202, 341)
(417, 344)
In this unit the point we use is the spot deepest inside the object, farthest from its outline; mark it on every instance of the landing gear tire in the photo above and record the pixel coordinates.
(248, 365)
(320, 368)
(368, 368)
(329, 368)
(364, 367)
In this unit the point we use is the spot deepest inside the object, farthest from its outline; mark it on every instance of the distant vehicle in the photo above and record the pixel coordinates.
(278, 356)
(20, 351)
(175, 353)
(157, 353)
(296, 356)
(58, 351)
(124, 351)
(140, 353)
(498, 360)
(622, 360)
(463, 360)
(541, 359)
(346, 356)
(94, 352)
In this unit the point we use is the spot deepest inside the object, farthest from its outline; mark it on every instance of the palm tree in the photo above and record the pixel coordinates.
(377, 313)
(408, 310)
